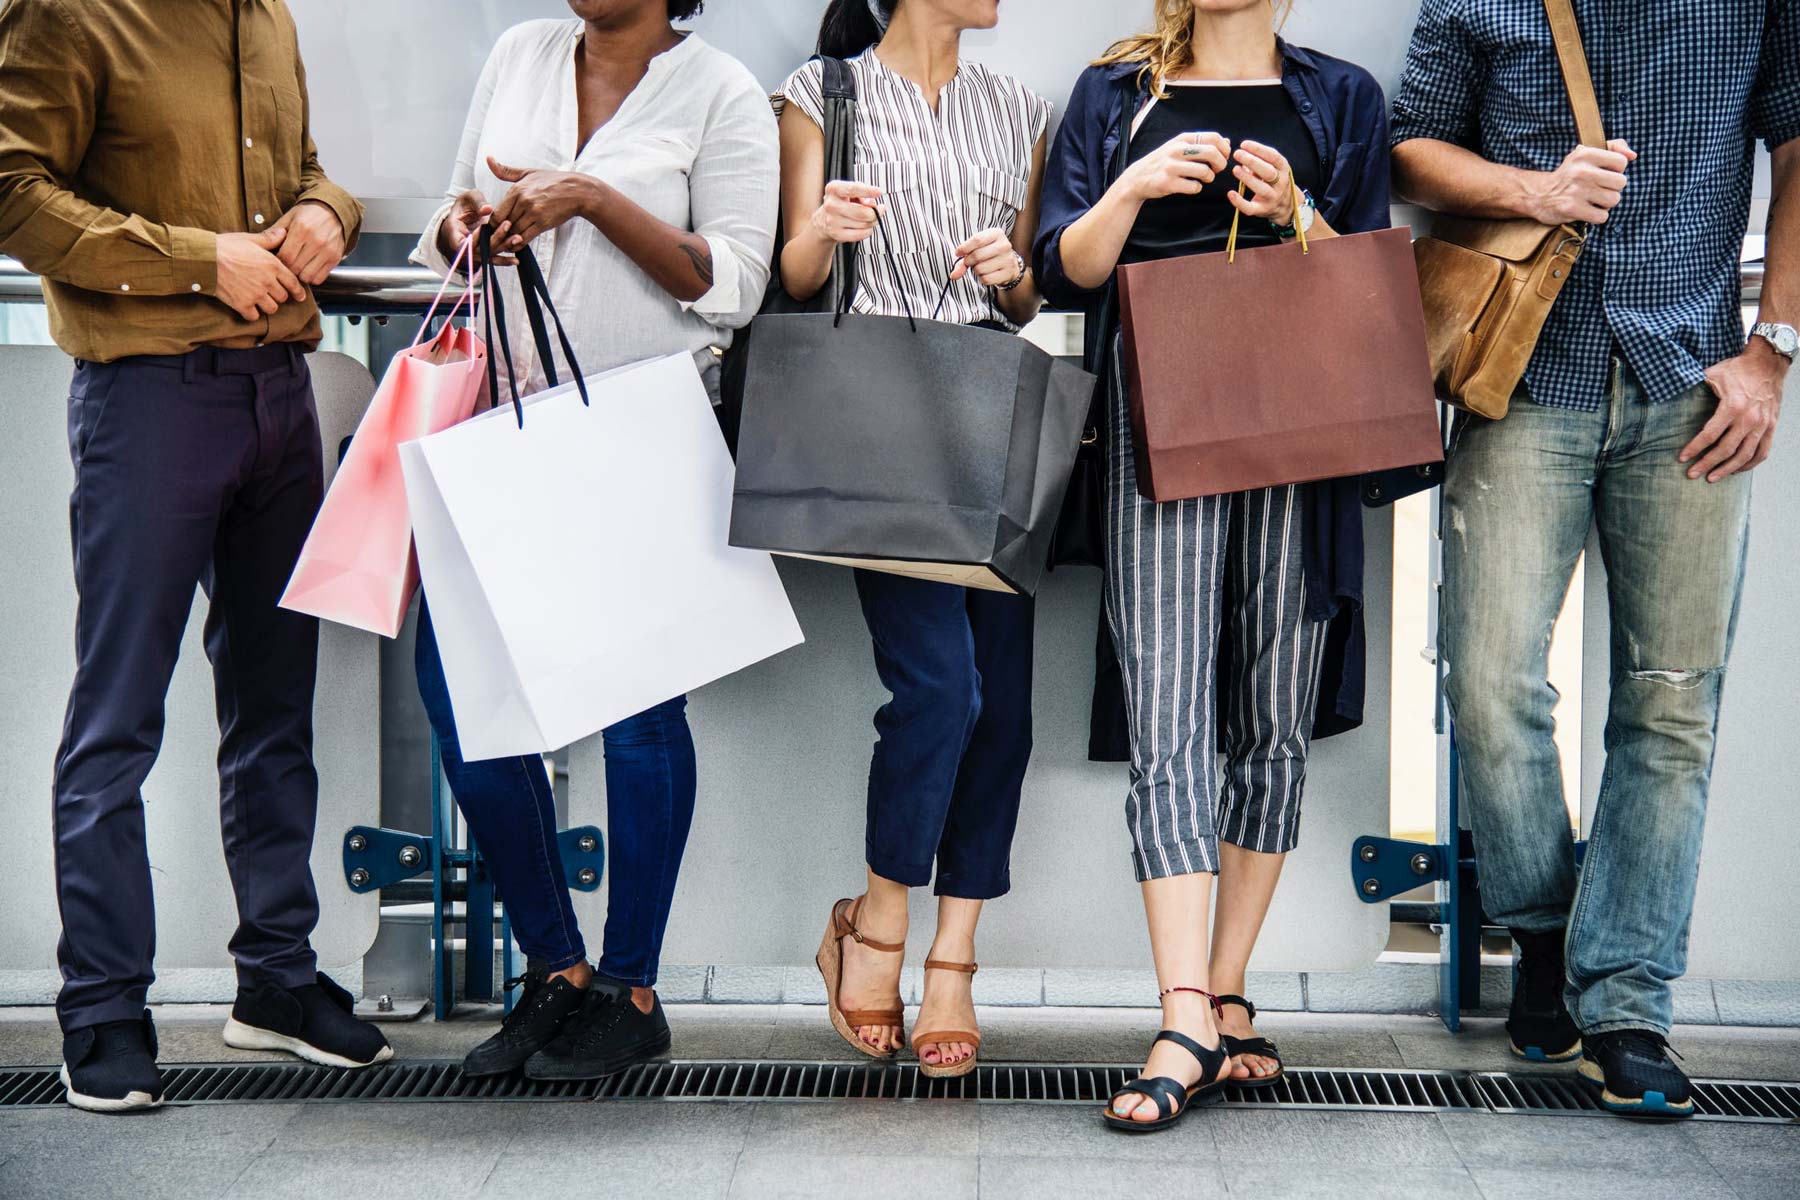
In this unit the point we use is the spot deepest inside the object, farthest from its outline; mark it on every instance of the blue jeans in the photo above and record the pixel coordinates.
(650, 785)
(1520, 496)
(953, 743)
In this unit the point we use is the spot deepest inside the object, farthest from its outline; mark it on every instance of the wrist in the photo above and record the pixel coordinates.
(1531, 197)
(596, 199)
(1762, 353)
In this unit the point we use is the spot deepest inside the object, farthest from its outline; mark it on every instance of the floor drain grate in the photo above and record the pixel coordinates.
(1302, 1088)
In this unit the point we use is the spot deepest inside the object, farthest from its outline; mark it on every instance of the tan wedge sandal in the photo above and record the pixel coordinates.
(944, 1037)
(831, 966)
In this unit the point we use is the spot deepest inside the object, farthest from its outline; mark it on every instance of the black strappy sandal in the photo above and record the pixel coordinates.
(1261, 1047)
(1172, 1097)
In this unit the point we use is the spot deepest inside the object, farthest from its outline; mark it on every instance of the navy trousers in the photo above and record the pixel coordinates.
(511, 810)
(954, 742)
(200, 469)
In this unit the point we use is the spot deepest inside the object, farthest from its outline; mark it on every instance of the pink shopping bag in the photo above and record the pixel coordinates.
(358, 567)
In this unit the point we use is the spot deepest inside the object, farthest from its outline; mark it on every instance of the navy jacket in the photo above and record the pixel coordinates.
(1343, 106)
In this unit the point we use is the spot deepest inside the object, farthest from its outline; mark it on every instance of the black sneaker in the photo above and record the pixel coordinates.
(1539, 1024)
(111, 1067)
(543, 1008)
(316, 1022)
(606, 1036)
(1635, 1075)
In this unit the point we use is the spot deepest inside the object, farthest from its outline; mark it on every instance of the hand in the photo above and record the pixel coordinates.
(314, 243)
(538, 202)
(1271, 182)
(992, 258)
(253, 282)
(1586, 188)
(848, 213)
(468, 212)
(1181, 166)
(1742, 430)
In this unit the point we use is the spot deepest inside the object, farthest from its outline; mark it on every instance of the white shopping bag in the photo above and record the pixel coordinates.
(577, 565)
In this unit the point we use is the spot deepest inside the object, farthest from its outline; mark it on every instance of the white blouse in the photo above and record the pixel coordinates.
(945, 176)
(695, 144)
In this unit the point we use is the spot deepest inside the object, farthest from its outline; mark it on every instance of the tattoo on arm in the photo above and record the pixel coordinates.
(702, 260)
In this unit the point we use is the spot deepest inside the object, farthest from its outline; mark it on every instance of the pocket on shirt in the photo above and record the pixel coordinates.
(909, 213)
(999, 198)
(1346, 173)
(287, 145)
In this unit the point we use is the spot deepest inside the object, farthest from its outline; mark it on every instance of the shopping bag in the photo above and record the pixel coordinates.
(909, 446)
(1278, 365)
(573, 549)
(357, 567)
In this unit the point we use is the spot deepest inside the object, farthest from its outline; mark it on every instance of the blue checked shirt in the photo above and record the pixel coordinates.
(1690, 86)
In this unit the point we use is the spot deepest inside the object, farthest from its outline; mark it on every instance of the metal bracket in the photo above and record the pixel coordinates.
(376, 857)
(1383, 868)
(584, 857)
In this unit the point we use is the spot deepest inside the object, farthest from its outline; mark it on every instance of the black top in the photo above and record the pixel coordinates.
(1261, 112)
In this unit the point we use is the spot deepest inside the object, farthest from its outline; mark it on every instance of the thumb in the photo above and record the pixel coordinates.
(268, 239)
(502, 171)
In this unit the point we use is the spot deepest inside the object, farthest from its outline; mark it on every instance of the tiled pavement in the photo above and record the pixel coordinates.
(878, 1149)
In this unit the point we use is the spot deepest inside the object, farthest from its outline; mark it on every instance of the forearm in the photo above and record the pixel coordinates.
(1023, 303)
(1781, 254)
(677, 260)
(1092, 245)
(806, 262)
(60, 236)
(1449, 179)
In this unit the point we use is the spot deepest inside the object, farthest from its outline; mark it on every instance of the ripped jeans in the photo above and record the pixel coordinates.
(1520, 496)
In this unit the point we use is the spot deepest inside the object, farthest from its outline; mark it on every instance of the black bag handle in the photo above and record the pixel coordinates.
(838, 84)
(535, 293)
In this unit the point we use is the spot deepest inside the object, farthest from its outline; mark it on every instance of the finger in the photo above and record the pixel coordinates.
(1608, 160)
(1263, 189)
(1621, 146)
(1258, 166)
(850, 189)
(1743, 460)
(1208, 154)
(248, 312)
(270, 238)
(986, 237)
(1191, 169)
(1709, 433)
(1720, 453)
(1268, 154)
(993, 251)
(504, 172)
(961, 269)
(268, 305)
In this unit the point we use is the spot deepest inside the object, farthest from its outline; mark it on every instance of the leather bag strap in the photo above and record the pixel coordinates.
(1576, 77)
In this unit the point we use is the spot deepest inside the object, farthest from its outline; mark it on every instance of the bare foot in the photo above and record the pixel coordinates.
(948, 1004)
(872, 977)
(1186, 1013)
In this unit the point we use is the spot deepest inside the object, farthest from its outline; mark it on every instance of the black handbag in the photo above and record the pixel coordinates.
(839, 87)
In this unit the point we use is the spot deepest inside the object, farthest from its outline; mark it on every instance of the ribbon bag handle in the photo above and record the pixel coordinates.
(493, 309)
(1244, 190)
(536, 293)
(465, 261)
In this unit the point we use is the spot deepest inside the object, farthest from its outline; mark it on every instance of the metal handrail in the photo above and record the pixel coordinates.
(351, 291)
(407, 291)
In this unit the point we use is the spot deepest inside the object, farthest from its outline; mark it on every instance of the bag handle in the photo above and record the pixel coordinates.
(465, 259)
(1236, 212)
(838, 82)
(1576, 77)
(493, 308)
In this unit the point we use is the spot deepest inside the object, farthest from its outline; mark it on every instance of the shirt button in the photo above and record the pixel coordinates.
(257, 218)
(248, 143)
(193, 287)
(124, 287)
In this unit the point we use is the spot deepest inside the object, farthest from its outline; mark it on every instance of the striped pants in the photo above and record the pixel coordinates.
(1188, 580)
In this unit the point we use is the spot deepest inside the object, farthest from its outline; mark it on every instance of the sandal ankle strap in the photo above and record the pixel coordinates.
(938, 964)
(844, 924)
(1241, 1003)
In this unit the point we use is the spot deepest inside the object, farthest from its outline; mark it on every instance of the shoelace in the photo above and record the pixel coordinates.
(1650, 1045)
(537, 991)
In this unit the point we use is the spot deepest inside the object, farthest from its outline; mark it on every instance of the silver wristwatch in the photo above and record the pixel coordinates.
(1785, 338)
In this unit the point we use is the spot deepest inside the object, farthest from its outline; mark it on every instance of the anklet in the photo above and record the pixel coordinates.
(1214, 1000)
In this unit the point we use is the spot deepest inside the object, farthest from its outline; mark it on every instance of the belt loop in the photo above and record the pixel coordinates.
(189, 365)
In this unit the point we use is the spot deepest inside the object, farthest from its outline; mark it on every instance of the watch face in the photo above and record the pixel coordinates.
(1787, 340)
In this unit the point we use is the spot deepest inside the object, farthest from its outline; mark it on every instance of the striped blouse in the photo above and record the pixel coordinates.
(946, 176)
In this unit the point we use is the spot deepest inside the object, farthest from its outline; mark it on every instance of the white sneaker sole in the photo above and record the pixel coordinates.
(133, 1101)
(240, 1036)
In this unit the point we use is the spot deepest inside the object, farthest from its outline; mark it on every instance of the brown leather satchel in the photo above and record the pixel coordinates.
(1488, 286)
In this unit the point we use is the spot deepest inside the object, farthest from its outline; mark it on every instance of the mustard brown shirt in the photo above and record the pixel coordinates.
(131, 133)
